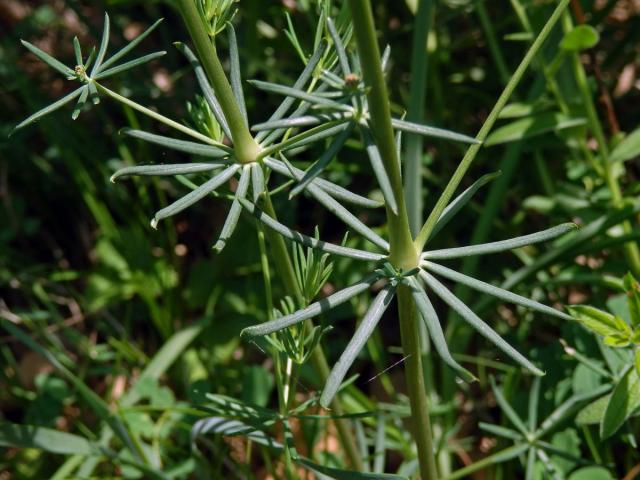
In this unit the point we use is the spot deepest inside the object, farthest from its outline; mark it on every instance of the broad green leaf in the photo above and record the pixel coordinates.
(581, 37)
(52, 441)
(338, 474)
(596, 320)
(234, 212)
(624, 402)
(501, 246)
(591, 473)
(357, 343)
(531, 126)
(627, 149)
(594, 412)
(234, 74)
(632, 289)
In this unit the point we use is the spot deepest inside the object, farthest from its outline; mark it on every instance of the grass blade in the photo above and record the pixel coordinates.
(306, 240)
(430, 318)
(48, 109)
(501, 246)
(131, 45)
(378, 169)
(234, 212)
(186, 146)
(427, 131)
(129, 65)
(102, 51)
(313, 310)
(340, 49)
(497, 292)
(234, 74)
(195, 195)
(48, 59)
(475, 321)
(168, 169)
(357, 342)
(506, 407)
(460, 201)
(501, 431)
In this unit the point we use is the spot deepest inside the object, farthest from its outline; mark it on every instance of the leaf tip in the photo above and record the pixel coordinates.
(154, 223)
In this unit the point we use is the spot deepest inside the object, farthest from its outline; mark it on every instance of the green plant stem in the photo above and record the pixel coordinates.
(473, 150)
(402, 251)
(246, 148)
(631, 250)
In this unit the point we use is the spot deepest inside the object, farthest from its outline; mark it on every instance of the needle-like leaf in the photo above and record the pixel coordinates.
(501, 431)
(340, 50)
(169, 169)
(197, 194)
(298, 94)
(93, 93)
(130, 46)
(49, 60)
(497, 292)
(186, 146)
(501, 246)
(307, 137)
(430, 318)
(511, 414)
(431, 131)
(234, 212)
(234, 74)
(460, 201)
(128, 65)
(81, 102)
(475, 321)
(302, 121)
(77, 50)
(357, 342)
(378, 169)
(313, 310)
(48, 109)
(257, 181)
(309, 241)
(102, 51)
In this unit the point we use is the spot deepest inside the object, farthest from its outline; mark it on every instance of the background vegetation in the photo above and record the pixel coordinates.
(150, 320)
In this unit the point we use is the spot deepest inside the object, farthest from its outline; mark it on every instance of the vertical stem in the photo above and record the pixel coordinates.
(244, 144)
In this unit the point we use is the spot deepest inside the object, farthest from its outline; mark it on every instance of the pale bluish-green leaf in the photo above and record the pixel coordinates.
(336, 191)
(77, 50)
(104, 43)
(379, 448)
(497, 292)
(207, 91)
(528, 127)
(169, 169)
(257, 181)
(80, 103)
(431, 131)
(228, 427)
(357, 342)
(234, 74)
(430, 318)
(501, 431)
(234, 212)
(51, 108)
(309, 241)
(14, 435)
(475, 321)
(307, 137)
(313, 310)
(507, 409)
(379, 171)
(460, 201)
(298, 94)
(593, 413)
(581, 37)
(128, 65)
(195, 195)
(48, 59)
(90, 59)
(93, 93)
(302, 121)
(501, 246)
(186, 146)
(334, 147)
(339, 46)
(534, 399)
(338, 474)
(130, 46)
(627, 149)
(624, 402)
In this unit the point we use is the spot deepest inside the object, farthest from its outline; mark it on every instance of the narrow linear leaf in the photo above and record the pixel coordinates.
(497, 292)
(235, 76)
(460, 201)
(80, 103)
(93, 93)
(323, 161)
(298, 94)
(430, 318)
(195, 195)
(169, 169)
(529, 127)
(48, 59)
(345, 215)
(47, 110)
(46, 439)
(501, 246)
(186, 146)
(534, 399)
(129, 65)
(307, 137)
(501, 431)
(338, 474)
(475, 321)
(378, 169)
(379, 457)
(357, 342)
(228, 427)
(207, 91)
(130, 46)
(336, 191)
(90, 59)
(506, 407)
(306, 240)
(104, 43)
(257, 181)
(77, 50)
(234, 212)
(322, 306)
(432, 131)
(302, 121)
(339, 46)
